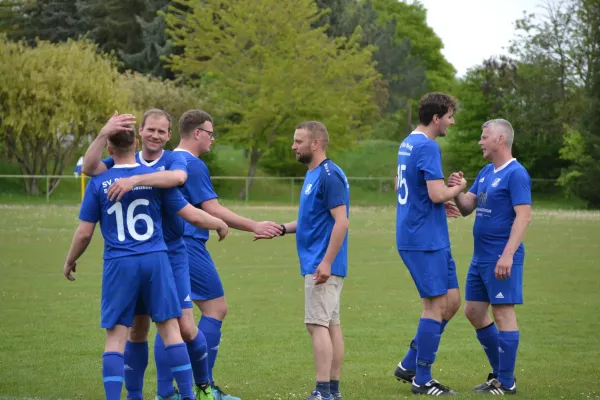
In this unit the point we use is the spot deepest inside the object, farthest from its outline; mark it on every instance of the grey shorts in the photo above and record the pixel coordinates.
(322, 302)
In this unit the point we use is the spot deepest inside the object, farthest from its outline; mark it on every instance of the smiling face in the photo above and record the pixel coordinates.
(155, 133)
(445, 122)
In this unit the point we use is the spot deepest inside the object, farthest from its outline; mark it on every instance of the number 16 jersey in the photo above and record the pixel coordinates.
(133, 225)
(420, 223)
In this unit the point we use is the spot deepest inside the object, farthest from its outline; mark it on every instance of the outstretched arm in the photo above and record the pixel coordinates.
(238, 222)
(204, 220)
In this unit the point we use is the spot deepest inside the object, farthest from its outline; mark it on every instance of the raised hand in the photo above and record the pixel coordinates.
(117, 123)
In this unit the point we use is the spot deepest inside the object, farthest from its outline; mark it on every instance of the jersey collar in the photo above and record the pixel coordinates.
(151, 163)
(126, 165)
(500, 168)
(178, 149)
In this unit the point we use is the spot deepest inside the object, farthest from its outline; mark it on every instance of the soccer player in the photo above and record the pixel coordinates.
(155, 131)
(197, 136)
(322, 244)
(136, 274)
(422, 238)
(501, 199)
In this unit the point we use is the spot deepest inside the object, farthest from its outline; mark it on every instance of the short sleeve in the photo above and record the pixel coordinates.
(91, 208)
(173, 200)
(198, 185)
(519, 186)
(334, 190)
(109, 162)
(475, 186)
(177, 161)
(430, 161)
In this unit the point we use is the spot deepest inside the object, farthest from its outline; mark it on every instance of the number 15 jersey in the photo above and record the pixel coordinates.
(420, 223)
(133, 225)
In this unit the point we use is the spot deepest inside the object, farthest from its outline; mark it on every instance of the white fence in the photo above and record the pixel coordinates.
(70, 188)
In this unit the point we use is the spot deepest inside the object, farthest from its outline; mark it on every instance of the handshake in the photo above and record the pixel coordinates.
(455, 179)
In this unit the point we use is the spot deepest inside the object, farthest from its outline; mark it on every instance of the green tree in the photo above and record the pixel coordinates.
(269, 68)
(53, 97)
(426, 46)
(52, 20)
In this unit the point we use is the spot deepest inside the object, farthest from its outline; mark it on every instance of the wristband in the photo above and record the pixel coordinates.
(284, 229)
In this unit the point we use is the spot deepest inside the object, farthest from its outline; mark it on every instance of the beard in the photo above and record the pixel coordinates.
(304, 158)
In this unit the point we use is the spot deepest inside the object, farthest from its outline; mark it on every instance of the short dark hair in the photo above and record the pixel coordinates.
(435, 103)
(316, 129)
(192, 119)
(156, 112)
(122, 141)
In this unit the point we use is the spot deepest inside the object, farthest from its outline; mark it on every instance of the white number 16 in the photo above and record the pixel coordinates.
(131, 220)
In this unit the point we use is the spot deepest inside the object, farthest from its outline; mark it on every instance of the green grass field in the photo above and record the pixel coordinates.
(51, 343)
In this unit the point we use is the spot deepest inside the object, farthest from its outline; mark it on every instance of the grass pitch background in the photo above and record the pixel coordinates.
(51, 343)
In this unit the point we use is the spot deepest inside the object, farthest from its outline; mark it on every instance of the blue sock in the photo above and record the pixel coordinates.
(488, 337)
(410, 359)
(334, 386)
(179, 360)
(324, 389)
(113, 365)
(197, 350)
(136, 361)
(211, 328)
(164, 376)
(428, 338)
(508, 343)
(443, 328)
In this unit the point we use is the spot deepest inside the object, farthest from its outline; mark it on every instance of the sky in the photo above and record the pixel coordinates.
(473, 30)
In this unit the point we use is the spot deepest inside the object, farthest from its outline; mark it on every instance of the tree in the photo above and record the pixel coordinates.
(52, 98)
(426, 46)
(262, 62)
(52, 20)
(155, 47)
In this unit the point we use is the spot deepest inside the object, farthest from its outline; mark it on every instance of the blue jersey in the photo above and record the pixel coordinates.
(173, 225)
(198, 188)
(133, 225)
(325, 187)
(498, 192)
(420, 223)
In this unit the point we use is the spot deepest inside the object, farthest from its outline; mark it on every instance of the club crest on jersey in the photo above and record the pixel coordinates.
(308, 189)
(496, 182)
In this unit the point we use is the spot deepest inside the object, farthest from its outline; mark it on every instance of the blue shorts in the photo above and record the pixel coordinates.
(482, 284)
(434, 272)
(204, 278)
(140, 284)
(178, 257)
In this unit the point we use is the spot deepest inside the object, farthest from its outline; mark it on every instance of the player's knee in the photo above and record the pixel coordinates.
(474, 314)
(189, 331)
(216, 308)
(139, 331)
(505, 316)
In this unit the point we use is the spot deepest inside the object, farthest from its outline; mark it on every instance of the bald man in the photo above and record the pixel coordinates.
(322, 244)
(501, 199)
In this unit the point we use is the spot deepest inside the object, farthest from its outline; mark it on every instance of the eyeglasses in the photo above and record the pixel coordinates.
(211, 134)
